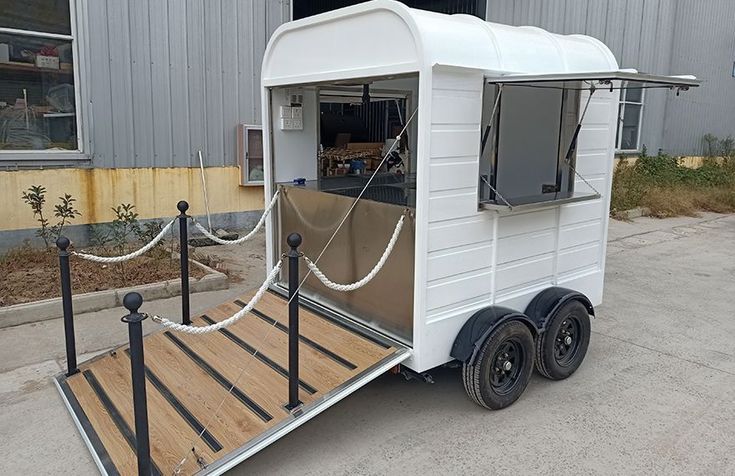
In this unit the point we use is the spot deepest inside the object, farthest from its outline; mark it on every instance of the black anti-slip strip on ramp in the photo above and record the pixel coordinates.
(88, 429)
(181, 409)
(338, 323)
(219, 378)
(337, 358)
(258, 354)
(115, 414)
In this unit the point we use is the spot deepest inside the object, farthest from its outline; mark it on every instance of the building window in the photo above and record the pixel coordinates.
(306, 8)
(38, 104)
(630, 114)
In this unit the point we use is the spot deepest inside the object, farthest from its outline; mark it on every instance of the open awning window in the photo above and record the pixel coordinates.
(530, 127)
(621, 79)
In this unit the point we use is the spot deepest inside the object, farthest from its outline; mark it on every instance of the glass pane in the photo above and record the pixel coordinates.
(37, 104)
(634, 92)
(631, 122)
(255, 155)
(48, 16)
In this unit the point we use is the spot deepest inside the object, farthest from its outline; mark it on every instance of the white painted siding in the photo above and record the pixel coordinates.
(476, 258)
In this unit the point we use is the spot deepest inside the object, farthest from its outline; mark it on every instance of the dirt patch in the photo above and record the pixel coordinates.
(29, 274)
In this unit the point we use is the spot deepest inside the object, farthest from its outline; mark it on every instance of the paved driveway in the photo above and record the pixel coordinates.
(656, 393)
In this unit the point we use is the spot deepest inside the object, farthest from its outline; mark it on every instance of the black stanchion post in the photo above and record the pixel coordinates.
(293, 240)
(71, 347)
(132, 302)
(183, 206)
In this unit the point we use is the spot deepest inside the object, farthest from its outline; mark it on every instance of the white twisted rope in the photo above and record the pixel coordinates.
(358, 284)
(245, 238)
(129, 256)
(175, 326)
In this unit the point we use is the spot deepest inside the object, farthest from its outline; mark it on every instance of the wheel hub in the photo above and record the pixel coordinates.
(566, 342)
(507, 363)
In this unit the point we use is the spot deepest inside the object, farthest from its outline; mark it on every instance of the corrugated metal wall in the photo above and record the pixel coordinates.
(170, 77)
(656, 36)
(704, 44)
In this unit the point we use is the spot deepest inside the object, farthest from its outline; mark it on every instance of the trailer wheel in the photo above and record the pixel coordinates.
(503, 367)
(561, 348)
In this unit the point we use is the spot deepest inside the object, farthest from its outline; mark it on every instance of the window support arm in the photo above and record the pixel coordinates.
(489, 126)
(573, 143)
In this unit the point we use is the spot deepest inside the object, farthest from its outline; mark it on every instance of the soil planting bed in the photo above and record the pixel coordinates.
(29, 274)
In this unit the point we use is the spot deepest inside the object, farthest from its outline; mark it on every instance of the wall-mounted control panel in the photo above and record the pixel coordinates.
(292, 115)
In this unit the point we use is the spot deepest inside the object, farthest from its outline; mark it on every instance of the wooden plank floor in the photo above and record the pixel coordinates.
(189, 379)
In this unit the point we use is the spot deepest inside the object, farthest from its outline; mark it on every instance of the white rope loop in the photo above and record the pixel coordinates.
(129, 256)
(245, 238)
(175, 326)
(376, 269)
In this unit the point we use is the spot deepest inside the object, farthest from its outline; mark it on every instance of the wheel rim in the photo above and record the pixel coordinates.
(567, 340)
(507, 364)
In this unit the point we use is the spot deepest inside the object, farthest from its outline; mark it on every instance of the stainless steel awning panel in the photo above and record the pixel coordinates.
(586, 80)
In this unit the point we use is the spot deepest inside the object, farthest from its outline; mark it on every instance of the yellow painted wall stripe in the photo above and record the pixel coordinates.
(153, 191)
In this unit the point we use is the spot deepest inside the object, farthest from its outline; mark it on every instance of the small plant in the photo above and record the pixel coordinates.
(123, 226)
(35, 197)
(727, 147)
(66, 212)
(710, 145)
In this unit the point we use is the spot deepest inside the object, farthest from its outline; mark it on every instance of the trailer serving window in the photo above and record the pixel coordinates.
(530, 126)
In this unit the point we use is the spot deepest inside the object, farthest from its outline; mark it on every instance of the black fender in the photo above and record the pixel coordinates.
(474, 332)
(548, 301)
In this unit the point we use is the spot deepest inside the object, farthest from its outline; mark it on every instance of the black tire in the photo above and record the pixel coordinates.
(497, 386)
(561, 348)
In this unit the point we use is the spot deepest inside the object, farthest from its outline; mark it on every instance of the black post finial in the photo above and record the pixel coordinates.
(183, 206)
(62, 243)
(133, 302)
(294, 240)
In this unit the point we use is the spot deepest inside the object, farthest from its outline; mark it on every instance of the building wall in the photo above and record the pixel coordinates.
(168, 78)
(655, 36)
(160, 80)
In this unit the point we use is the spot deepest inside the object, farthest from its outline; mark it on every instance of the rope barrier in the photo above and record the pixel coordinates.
(129, 256)
(245, 238)
(175, 326)
(358, 284)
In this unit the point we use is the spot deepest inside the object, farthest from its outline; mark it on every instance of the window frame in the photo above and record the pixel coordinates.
(621, 118)
(243, 156)
(22, 157)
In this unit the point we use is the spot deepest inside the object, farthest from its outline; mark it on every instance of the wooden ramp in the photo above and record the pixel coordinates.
(189, 379)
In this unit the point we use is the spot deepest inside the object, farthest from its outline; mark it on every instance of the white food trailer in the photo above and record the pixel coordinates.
(505, 181)
(456, 173)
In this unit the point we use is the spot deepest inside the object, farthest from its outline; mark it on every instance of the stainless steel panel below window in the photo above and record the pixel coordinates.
(386, 303)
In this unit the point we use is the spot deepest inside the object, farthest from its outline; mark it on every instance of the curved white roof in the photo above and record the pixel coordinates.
(385, 37)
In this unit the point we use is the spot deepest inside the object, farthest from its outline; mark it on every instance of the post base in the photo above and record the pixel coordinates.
(293, 408)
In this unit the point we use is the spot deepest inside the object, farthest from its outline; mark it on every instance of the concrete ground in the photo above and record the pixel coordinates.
(656, 393)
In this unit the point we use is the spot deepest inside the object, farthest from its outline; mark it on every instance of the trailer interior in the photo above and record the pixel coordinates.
(347, 141)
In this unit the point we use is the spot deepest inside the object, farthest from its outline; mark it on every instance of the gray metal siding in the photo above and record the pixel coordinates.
(704, 43)
(170, 77)
(656, 36)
